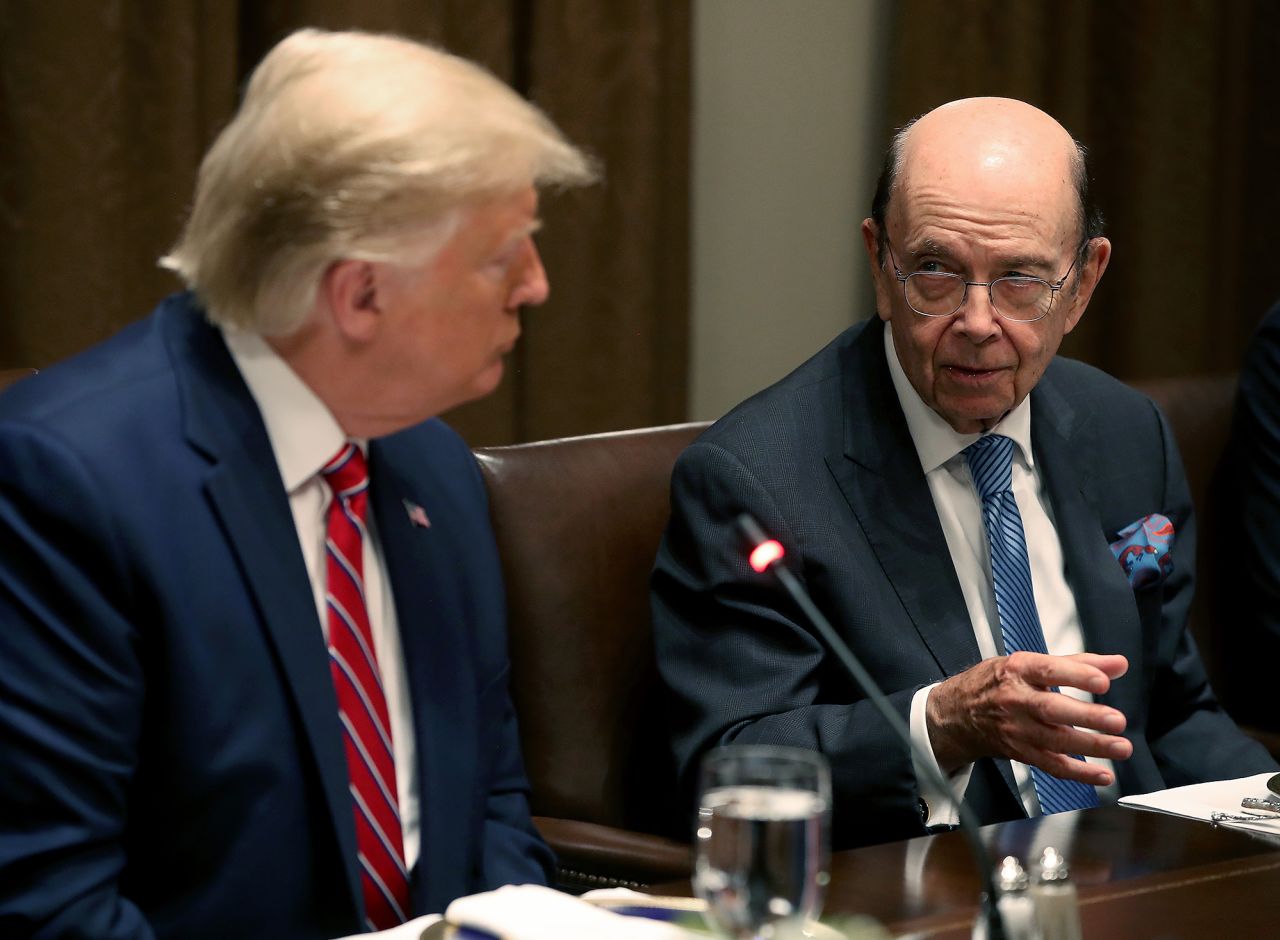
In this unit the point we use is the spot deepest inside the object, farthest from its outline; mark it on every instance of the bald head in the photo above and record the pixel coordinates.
(991, 148)
(990, 128)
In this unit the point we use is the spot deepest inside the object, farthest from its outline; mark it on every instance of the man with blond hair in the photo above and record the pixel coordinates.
(1003, 537)
(252, 635)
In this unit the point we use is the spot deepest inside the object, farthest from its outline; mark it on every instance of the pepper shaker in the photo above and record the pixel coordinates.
(1054, 894)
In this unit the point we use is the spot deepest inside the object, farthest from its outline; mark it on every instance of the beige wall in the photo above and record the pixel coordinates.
(787, 141)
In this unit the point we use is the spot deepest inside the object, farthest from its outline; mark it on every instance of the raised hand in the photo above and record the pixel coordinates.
(1007, 707)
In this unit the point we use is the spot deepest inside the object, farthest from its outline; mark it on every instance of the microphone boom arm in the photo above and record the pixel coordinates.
(989, 912)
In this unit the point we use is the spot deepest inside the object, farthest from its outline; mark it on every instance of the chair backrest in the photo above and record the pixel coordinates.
(9, 376)
(578, 522)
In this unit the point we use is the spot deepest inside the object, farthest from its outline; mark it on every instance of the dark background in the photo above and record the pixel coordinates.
(106, 108)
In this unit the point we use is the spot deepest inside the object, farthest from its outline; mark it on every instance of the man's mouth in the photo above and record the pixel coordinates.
(971, 372)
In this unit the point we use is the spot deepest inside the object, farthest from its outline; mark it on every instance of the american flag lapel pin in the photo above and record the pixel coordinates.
(417, 515)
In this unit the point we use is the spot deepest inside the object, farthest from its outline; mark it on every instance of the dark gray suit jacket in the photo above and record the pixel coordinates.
(825, 461)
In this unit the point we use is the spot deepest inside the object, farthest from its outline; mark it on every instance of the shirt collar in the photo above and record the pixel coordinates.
(936, 441)
(304, 434)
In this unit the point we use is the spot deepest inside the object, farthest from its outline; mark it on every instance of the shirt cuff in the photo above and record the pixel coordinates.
(938, 808)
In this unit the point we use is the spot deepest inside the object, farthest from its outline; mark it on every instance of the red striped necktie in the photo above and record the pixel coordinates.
(362, 705)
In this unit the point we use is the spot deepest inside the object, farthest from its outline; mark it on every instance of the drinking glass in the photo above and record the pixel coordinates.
(761, 842)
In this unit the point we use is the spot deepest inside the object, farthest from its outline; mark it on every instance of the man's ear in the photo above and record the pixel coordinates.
(1096, 260)
(350, 290)
(872, 242)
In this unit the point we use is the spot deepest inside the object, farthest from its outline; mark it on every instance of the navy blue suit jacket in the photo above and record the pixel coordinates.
(171, 761)
(825, 461)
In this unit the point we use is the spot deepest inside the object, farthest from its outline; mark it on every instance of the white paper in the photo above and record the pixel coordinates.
(532, 912)
(1202, 800)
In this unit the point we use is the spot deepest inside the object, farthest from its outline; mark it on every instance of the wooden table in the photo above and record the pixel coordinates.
(1139, 874)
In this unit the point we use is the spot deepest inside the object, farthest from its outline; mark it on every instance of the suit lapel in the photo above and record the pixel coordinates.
(1066, 448)
(880, 476)
(431, 613)
(247, 494)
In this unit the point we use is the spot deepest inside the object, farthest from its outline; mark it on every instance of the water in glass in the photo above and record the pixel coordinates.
(762, 841)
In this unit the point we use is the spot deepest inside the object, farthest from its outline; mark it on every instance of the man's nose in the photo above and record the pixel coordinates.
(533, 287)
(977, 317)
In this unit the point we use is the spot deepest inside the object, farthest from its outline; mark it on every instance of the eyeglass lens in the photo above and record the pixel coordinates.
(1015, 298)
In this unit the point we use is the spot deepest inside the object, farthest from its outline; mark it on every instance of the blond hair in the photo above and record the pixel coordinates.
(352, 145)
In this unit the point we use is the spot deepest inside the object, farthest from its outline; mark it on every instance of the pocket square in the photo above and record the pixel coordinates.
(1142, 548)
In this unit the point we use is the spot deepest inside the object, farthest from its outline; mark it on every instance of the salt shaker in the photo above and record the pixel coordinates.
(1054, 894)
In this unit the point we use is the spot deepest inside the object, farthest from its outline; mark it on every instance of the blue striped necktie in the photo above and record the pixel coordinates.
(991, 464)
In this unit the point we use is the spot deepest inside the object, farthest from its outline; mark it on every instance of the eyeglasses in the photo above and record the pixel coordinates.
(1015, 297)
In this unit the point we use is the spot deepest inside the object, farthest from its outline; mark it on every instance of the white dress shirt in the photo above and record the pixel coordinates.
(304, 437)
(959, 507)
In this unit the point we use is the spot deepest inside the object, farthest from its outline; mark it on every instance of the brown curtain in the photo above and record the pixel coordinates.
(1179, 104)
(104, 116)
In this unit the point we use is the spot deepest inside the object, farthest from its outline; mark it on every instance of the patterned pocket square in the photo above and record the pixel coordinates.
(1142, 549)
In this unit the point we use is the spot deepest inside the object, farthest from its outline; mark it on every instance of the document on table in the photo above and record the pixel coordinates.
(1203, 800)
(530, 912)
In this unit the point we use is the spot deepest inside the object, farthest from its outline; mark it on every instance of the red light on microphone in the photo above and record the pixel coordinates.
(765, 554)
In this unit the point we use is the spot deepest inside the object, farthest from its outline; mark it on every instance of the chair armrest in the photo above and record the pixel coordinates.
(1268, 739)
(597, 856)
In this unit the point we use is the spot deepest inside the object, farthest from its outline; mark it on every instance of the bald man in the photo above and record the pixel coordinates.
(963, 507)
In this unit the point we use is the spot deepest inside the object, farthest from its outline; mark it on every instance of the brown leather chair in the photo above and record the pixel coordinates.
(578, 522)
(9, 376)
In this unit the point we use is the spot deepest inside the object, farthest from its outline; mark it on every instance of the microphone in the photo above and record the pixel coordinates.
(767, 555)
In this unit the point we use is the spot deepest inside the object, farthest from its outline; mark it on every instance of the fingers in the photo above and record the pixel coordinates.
(1052, 729)
(1113, 665)
(1054, 708)
(1090, 672)
(1065, 767)
(1058, 749)
(1075, 742)
(1007, 707)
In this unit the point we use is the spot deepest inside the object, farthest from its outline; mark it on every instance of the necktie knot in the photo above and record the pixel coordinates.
(991, 464)
(347, 473)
